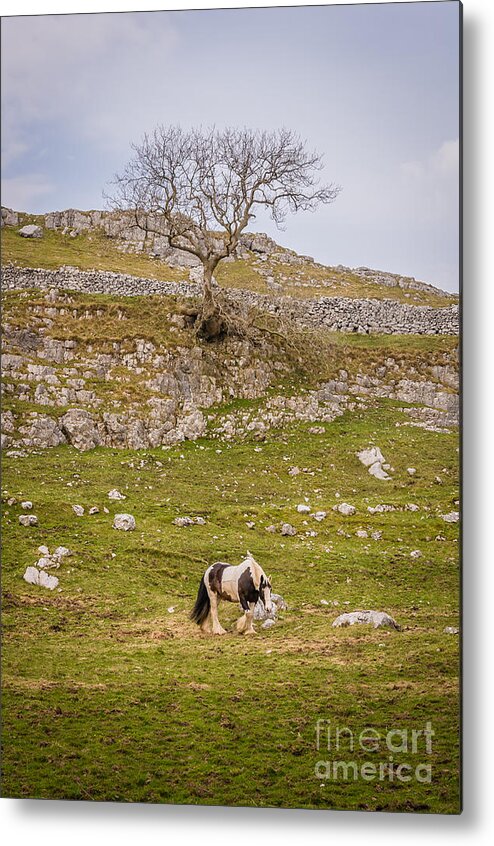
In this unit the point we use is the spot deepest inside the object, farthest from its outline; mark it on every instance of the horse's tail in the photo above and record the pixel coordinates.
(200, 610)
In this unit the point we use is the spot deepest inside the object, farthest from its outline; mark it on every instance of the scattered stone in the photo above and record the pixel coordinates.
(78, 509)
(171, 609)
(114, 494)
(271, 529)
(27, 505)
(410, 506)
(380, 509)
(361, 533)
(411, 471)
(183, 521)
(378, 471)
(288, 529)
(376, 535)
(28, 520)
(452, 517)
(61, 552)
(33, 576)
(416, 553)
(44, 550)
(31, 231)
(277, 604)
(268, 623)
(316, 430)
(293, 471)
(378, 619)
(324, 602)
(250, 525)
(303, 509)
(93, 510)
(320, 515)
(374, 460)
(46, 562)
(125, 522)
(189, 521)
(345, 509)
(451, 630)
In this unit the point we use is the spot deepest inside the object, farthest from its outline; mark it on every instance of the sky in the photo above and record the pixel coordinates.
(374, 88)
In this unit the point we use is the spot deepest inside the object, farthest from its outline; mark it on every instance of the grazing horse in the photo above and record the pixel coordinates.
(244, 584)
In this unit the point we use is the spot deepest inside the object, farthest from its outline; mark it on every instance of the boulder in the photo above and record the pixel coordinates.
(277, 604)
(452, 517)
(378, 472)
(33, 576)
(42, 432)
(31, 231)
(125, 522)
(80, 429)
(303, 509)
(377, 619)
(320, 515)
(345, 509)
(28, 520)
(189, 521)
(373, 459)
(114, 494)
(288, 530)
(61, 552)
(368, 457)
(78, 509)
(9, 217)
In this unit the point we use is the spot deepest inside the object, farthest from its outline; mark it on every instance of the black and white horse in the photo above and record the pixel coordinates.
(244, 584)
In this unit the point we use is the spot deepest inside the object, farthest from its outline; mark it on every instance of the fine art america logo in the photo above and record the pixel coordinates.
(388, 747)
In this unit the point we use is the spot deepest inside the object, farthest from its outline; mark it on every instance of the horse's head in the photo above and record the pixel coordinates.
(264, 583)
(265, 593)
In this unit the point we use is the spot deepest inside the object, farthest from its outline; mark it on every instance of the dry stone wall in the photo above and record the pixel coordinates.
(334, 313)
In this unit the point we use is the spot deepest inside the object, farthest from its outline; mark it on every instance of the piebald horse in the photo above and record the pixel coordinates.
(244, 584)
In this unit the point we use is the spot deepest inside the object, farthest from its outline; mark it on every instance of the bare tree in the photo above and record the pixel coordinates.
(200, 190)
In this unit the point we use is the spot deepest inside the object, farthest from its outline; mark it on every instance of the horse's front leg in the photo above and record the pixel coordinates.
(249, 618)
(241, 622)
(217, 627)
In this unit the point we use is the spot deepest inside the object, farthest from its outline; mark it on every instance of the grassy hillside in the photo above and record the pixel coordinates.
(95, 250)
(112, 693)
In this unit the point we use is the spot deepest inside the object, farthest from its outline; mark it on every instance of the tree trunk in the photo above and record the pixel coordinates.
(210, 324)
(208, 305)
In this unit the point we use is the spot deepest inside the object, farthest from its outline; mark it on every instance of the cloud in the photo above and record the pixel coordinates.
(89, 74)
(430, 186)
(19, 192)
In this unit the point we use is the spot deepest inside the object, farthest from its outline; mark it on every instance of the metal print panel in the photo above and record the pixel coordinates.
(230, 410)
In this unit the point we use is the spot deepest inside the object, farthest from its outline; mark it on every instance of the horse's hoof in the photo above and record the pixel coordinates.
(250, 632)
(219, 632)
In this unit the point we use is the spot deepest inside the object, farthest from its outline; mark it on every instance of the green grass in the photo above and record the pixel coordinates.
(94, 250)
(89, 251)
(109, 696)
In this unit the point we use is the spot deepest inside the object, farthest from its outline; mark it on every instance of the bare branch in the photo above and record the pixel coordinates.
(200, 189)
